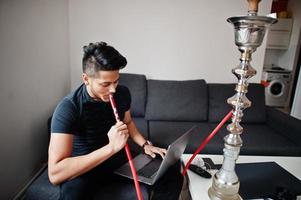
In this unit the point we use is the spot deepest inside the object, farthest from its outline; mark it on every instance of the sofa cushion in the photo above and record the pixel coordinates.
(142, 126)
(286, 125)
(218, 106)
(177, 100)
(137, 86)
(260, 139)
(163, 133)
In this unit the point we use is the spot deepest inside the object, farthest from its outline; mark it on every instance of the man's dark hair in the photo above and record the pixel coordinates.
(100, 56)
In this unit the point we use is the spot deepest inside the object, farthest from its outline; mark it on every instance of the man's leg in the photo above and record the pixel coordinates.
(116, 187)
(169, 186)
(78, 188)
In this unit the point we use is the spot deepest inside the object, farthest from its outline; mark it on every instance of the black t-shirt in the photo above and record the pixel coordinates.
(88, 120)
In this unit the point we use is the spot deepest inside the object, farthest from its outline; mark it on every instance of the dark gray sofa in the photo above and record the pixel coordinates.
(163, 110)
(166, 109)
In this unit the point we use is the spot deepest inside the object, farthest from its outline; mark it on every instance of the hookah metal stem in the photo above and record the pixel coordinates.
(127, 150)
(203, 144)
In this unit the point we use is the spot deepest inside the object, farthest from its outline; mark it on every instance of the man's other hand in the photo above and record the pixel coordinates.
(152, 151)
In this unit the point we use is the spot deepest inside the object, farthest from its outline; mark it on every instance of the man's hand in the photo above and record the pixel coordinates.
(152, 151)
(118, 136)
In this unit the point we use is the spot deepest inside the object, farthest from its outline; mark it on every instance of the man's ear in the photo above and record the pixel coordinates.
(85, 78)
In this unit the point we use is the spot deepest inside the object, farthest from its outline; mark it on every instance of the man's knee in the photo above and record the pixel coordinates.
(76, 189)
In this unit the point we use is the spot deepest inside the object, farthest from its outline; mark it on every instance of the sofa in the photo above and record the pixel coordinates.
(164, 109)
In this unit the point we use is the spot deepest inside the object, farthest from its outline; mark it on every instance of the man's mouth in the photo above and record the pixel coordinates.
(106, 97)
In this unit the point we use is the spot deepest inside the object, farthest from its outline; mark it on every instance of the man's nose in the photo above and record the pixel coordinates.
(112, 88)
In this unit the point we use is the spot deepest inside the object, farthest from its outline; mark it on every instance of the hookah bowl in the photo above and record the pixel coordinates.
(249, 32)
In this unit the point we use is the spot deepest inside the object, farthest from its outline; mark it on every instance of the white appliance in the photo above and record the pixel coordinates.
(277, 83)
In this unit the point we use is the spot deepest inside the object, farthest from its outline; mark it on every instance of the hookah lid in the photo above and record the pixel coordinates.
(252, 19)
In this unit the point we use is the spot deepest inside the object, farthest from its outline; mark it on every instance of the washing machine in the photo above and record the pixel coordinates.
(277, 83)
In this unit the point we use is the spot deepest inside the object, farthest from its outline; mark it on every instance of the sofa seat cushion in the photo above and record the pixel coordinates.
(123, 189)
(218, 106)
(260, 139)
(164, 133)
(177, 100)
(214, 146)
(136, 83)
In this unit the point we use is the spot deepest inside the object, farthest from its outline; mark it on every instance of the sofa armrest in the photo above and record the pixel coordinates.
(284, 124)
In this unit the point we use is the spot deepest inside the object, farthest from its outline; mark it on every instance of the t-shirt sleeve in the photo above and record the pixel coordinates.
(64, 117)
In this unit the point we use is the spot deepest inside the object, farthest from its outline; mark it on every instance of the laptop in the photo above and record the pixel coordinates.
(149, 169)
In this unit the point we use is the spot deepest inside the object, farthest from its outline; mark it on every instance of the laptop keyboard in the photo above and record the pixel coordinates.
(151, 168)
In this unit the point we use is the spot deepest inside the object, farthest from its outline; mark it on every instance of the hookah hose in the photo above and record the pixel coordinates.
(203, 144)
(128, 152)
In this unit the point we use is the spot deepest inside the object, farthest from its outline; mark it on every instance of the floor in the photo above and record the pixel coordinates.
(284, 110)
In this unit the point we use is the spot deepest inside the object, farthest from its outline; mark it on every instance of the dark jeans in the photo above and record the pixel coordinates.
(102, 184)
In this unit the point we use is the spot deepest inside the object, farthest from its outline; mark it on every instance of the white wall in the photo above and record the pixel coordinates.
(288, 58)
(171, 39)
(34, 76)
(295, 7)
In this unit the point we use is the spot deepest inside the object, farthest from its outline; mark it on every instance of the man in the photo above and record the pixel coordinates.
(86, 143)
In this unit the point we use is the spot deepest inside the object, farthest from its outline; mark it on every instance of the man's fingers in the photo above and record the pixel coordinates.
(150, 153)
(164, 151)
(121, 127)
(155, 150)
(123, 132)
(161, 154)
(118, 124)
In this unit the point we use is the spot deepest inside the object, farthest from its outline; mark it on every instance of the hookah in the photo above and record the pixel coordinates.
(249, 32)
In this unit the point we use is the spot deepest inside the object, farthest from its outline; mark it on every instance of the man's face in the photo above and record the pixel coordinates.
(102, 84)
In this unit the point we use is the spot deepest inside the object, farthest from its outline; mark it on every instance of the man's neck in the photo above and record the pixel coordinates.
(92, 96)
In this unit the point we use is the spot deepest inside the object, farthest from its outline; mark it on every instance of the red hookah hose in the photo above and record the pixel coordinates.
(128, 152)
(212, 134)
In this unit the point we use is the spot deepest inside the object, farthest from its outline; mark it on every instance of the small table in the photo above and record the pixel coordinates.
(199, 186)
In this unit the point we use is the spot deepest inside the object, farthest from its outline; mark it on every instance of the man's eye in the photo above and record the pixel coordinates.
(105, 85)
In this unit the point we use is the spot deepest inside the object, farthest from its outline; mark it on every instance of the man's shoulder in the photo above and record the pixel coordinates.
(72, 100)
(123, 97)
(75, 97)
(123, 92)
(123, 89)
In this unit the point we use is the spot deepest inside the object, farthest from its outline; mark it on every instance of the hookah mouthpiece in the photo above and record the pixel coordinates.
(113, 104)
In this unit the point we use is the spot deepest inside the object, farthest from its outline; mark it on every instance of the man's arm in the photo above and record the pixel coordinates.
(63, 167)
(139, 139)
